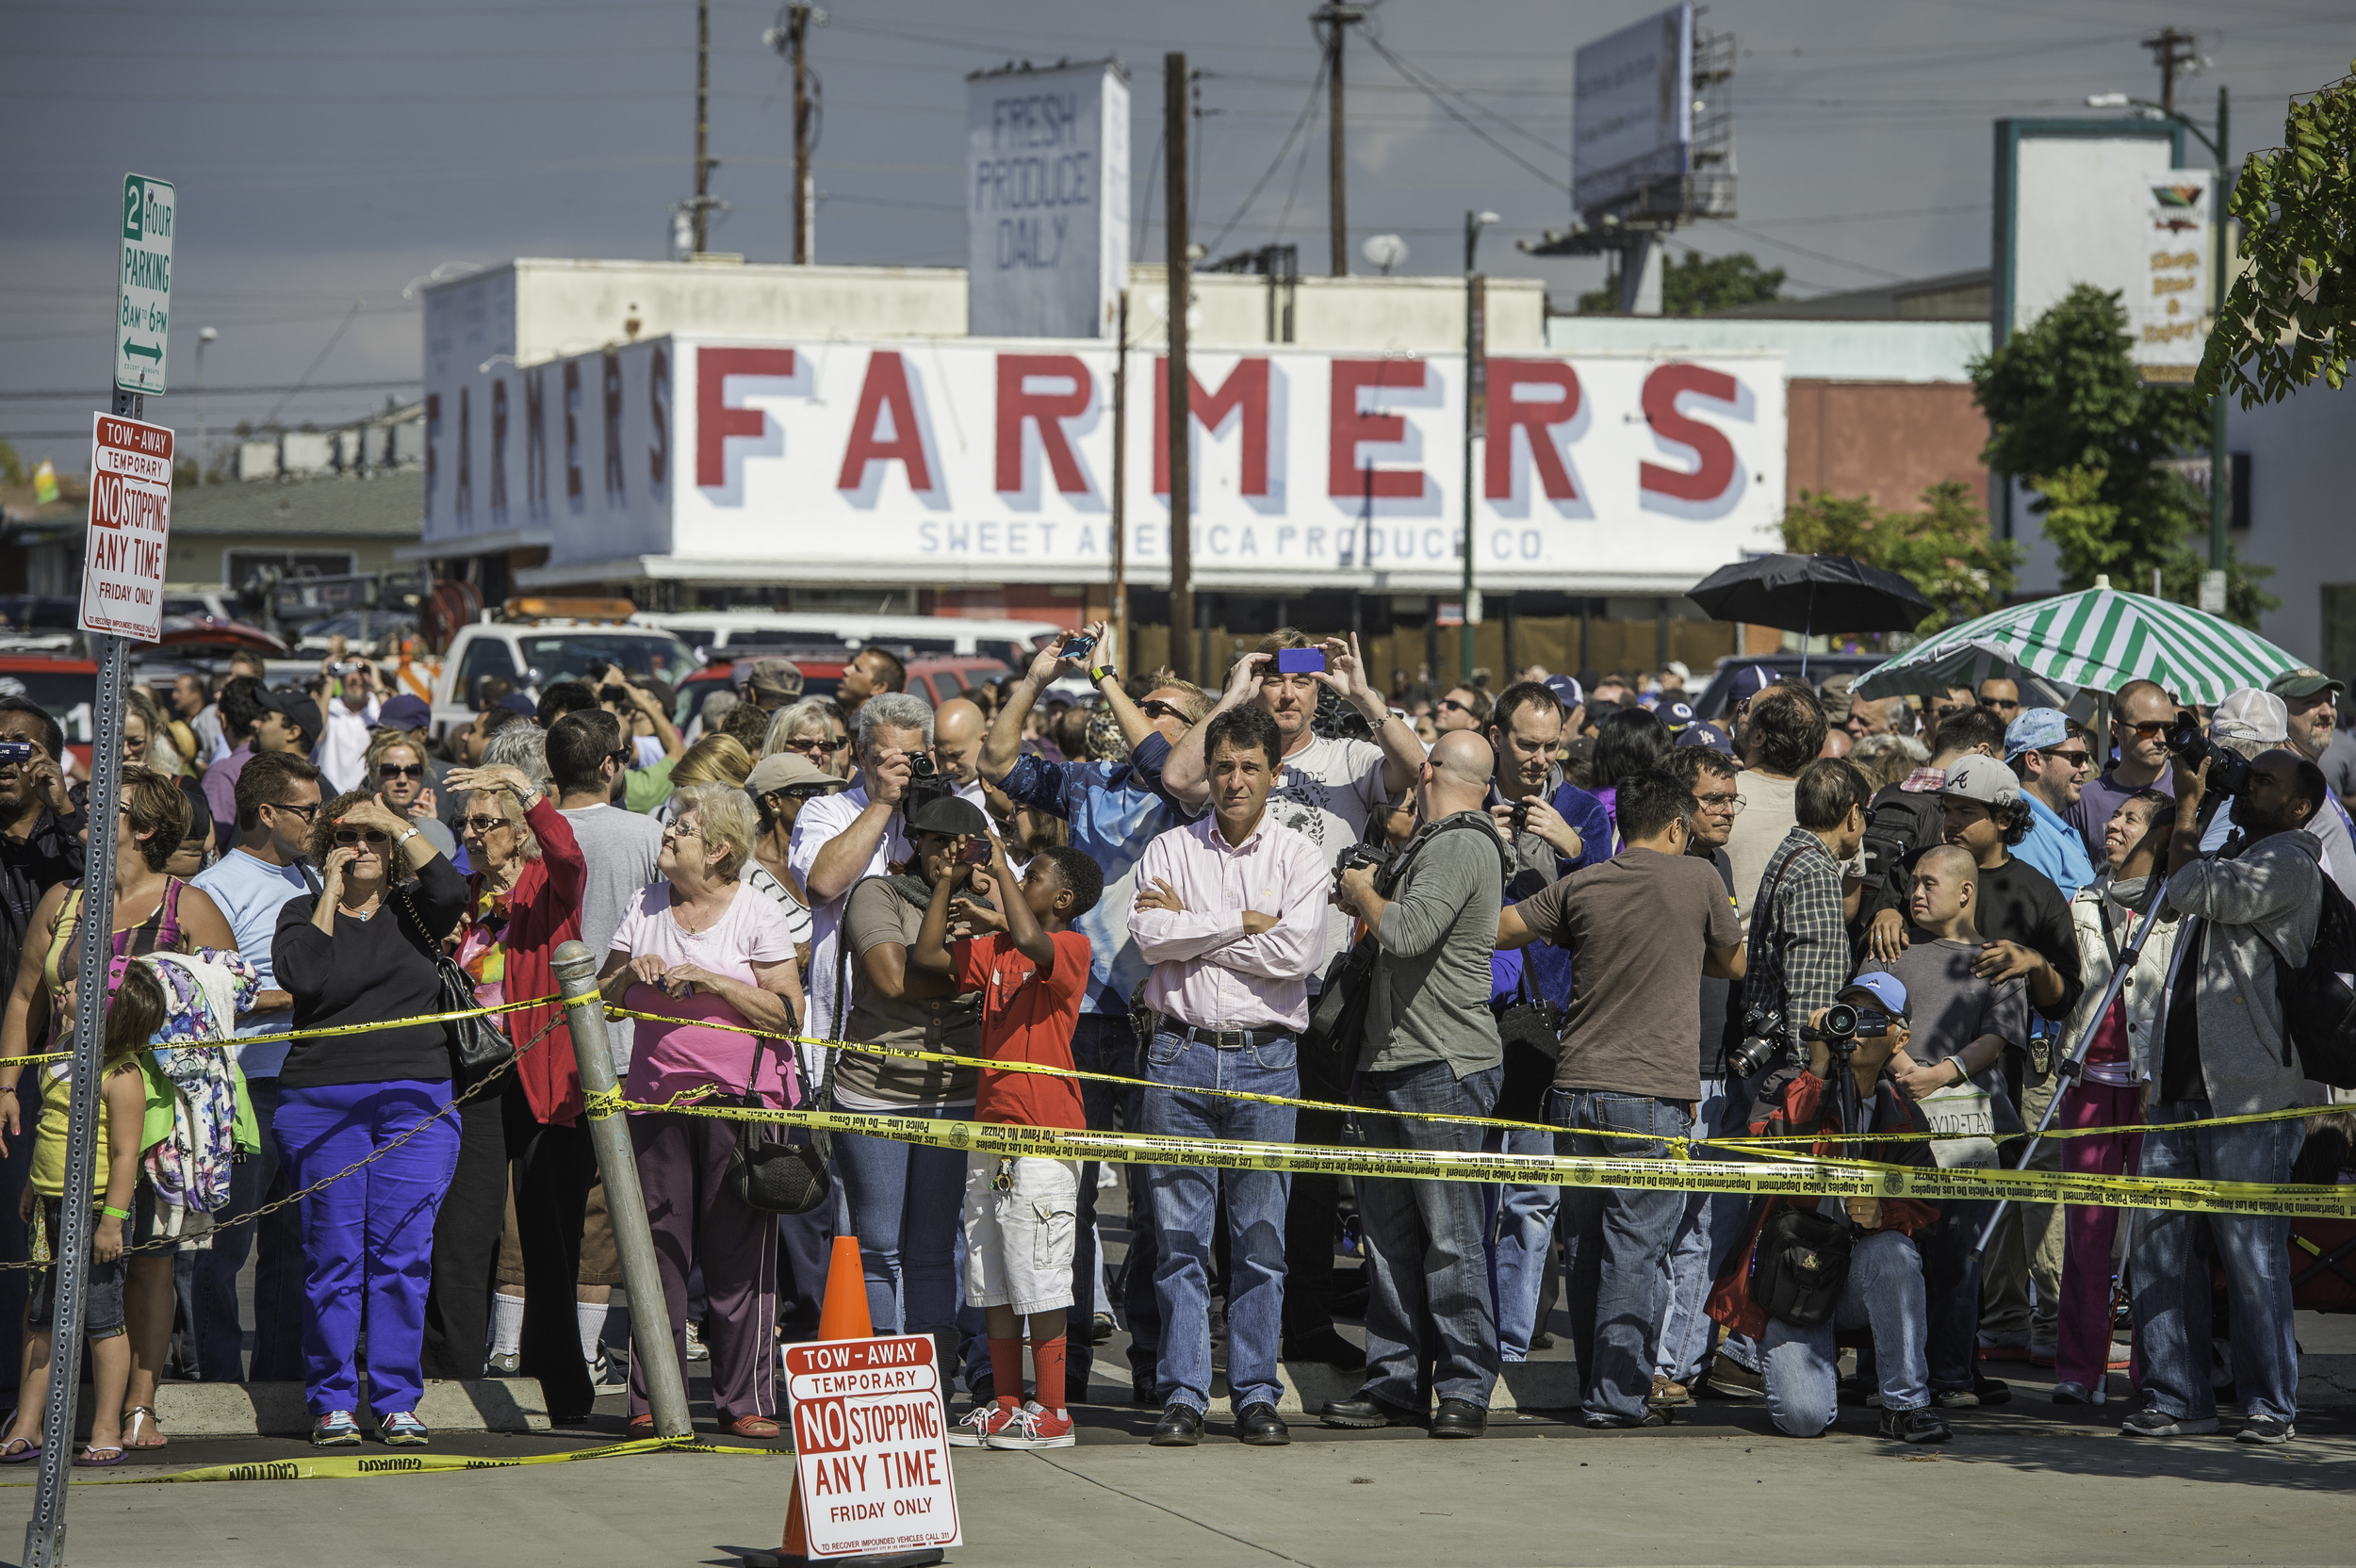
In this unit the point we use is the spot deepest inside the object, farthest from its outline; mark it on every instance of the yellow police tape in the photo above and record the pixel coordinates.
(349, 1467)
(241, 1040)
(1795, 1176)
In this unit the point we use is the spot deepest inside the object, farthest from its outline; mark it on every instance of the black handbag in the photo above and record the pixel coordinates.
(765, 1171)
(1802, 1263)
(479, 1046)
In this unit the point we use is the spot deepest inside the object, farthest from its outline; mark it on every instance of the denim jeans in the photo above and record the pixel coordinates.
(900, 1201)
(1519, 1236)
(260, 1178)
(1883, 1293)
(1185, 1208)
(1951, 1284)
(2169, 1266)
(1615, 1241)
(1105, 1042)
(1431, 1325)
(1711, 1220)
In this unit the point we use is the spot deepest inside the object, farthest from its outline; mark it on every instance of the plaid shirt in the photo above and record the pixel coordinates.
(1799, 956)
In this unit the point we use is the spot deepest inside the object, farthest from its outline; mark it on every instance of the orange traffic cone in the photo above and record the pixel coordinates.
(841, 1314)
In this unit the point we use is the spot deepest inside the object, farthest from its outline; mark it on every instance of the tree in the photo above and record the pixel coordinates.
(11, 466)
(1697, 285)
(1944, 549)
(2292, 313)
(2071, 416)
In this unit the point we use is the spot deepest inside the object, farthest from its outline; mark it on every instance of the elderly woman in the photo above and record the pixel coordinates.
(361, 951)
(696, 950)
(814, 730)
(154, 912)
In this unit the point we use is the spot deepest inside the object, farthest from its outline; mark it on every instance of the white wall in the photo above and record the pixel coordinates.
(1813, 351)
(2302, 476)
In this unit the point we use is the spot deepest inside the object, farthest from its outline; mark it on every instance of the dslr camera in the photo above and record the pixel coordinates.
(2229, 771)
(1765, 1043)
(1375, 857)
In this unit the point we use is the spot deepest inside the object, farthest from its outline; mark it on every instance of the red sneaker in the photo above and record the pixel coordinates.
(976, 1426)
(1033, 1428)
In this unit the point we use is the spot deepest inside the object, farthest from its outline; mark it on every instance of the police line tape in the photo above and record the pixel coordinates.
(1789, 1175)
(346, 1468)
(240, 1042)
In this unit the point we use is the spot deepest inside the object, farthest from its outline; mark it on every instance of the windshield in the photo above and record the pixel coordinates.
(571, 655)
(692, 698)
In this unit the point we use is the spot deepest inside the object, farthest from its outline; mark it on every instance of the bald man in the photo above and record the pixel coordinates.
(960, 728)
(1430, 1045)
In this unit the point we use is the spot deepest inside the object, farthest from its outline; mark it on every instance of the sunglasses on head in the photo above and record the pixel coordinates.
(355, 835)
(399, 770)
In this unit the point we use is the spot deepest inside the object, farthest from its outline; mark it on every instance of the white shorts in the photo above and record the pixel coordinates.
(1019, 1239)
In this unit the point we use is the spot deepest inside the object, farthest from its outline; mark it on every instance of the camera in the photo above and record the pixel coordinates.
(19, 752)
(1300, 662)
(2229, 771)
(1374, 858)
(1076, 647)
(1765, 1043)
(920, 766)
(345, 666)
(613, 694)
(1843, 1023)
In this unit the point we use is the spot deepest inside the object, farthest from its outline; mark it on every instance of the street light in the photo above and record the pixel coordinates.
(2221, 465)
(1475, 402)
(204, 410)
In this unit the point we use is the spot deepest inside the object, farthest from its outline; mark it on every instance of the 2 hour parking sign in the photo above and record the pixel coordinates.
(143, 291)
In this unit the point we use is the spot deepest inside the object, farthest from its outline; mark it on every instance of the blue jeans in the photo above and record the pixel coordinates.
(1709, 1221)
(2170, 1269)
(1950, 1280)
(1519, 1236)
(1185, 1208)
(1615, 1243)
(1431, 1324)
(259, 1178)
(902, 1199)
(370, 1237)
(1105, 1042)
(1883, 1293)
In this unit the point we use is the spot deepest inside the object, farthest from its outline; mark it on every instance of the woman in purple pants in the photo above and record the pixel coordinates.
(361, 951)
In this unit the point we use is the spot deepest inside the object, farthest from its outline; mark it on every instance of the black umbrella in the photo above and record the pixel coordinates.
(1800, 593)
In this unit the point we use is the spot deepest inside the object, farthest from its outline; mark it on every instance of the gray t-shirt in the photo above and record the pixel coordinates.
(2338, 763)
(1431, 982)
(1953, 1008)
(874, 916)
(619, 849)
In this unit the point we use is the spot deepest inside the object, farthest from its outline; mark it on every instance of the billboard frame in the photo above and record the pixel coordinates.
(2009, 135)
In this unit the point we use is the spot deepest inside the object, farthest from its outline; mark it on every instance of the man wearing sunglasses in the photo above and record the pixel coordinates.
(1461, 708)
(2052, 758)
(2141, 711)
(2000, 696)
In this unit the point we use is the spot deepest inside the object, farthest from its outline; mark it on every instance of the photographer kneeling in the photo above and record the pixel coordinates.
(1784, 1287)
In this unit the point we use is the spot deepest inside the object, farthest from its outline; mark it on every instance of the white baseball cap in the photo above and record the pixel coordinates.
(1981, 778)
(2251, 716)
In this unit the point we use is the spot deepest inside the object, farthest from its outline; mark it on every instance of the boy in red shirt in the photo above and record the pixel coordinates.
(1031, 970)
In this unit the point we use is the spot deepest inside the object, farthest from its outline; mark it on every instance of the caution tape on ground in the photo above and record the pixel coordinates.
(349, 1467)
(1792, 1175)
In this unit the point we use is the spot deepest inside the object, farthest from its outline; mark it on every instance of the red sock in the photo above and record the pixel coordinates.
(1047, 1367)
(1005, 1372)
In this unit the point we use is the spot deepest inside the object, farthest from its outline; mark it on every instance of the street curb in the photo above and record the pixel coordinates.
(277, 1410)
(1521, 1385)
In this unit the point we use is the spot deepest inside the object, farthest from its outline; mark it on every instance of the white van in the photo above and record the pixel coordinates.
(736, 634)
(529, 655)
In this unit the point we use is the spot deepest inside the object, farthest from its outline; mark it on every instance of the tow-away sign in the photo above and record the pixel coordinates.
(130, 529)
(870, 1446)
(143, 292)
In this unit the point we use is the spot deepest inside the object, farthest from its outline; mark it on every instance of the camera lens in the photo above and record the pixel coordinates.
(1841, 1020)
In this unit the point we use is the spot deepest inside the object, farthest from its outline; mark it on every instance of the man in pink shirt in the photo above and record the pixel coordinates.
(1231, 913)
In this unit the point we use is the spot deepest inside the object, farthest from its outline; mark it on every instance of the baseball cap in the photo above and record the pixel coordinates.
(1676, 715)
(296, 704)
(1747, 682)
(2034, 731)
(2304, 682)
(2251, 716)
(1676, 667)
(516, 702)
(1566, 691)
(1885, 988)
(403, 712)
(1706, 735)
(774, 679)
(784, 769)
(1981, 778)
(950, 815)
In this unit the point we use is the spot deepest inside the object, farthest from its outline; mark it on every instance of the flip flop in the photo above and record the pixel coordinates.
(11, 1454)
(131, 1419)
(84, 1460)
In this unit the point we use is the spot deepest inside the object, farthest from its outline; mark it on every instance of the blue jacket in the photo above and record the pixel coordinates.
(1536, 867)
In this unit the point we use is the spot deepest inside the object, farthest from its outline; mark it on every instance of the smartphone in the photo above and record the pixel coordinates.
(1076, 646)
(1300, 661)
(344, 666)
(613, 694)
(976, 853)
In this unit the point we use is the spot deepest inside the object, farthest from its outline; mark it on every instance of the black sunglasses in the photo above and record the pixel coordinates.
(1155, 707)
(398, 770)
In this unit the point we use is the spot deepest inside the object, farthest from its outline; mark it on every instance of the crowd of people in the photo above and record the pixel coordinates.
(1555, 919)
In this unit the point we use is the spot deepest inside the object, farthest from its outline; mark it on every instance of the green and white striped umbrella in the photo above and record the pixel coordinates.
(2099, 638)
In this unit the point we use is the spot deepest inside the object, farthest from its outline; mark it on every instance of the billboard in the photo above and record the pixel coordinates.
(1047, 200)
(1632, 109)
(944, 461)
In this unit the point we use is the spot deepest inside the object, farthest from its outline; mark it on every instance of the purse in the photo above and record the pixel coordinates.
(479, 1046)
(767, 1172)
(1802, 1263)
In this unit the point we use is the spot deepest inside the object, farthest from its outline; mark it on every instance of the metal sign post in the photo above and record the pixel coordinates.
(127, 472)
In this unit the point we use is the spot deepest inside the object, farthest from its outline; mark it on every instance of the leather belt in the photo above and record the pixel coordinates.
(1227, 1039)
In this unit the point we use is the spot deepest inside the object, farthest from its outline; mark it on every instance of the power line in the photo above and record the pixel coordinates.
(1426, 82)
(1300, 122)
(78, 393)
(1451, 110)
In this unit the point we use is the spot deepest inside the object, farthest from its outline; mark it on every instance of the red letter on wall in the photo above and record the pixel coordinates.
(886, 387)
(1048, 410)
(1347, 429)
(1707, 482)
(716, 421)
(1534, 419)
(1244, 388)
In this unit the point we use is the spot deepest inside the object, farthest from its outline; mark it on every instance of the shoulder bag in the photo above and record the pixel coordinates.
(766, 1171)
(479, 1046)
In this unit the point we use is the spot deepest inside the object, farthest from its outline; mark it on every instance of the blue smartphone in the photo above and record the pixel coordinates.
(1300, 661)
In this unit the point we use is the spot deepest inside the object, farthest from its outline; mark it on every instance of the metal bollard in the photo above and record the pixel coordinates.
(650, 1319)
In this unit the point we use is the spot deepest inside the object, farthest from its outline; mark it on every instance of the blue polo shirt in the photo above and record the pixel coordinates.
(2055, 848)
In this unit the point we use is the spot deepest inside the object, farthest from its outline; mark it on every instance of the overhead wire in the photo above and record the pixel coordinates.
(1300, 122)
(1453, 113)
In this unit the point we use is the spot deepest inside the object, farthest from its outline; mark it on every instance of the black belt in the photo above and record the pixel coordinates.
(1229, 1040)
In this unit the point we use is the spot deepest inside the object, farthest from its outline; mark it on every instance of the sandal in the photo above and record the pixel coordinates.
(85, 1460)
(753, 1426)
(131, 1419)
(19, 1450)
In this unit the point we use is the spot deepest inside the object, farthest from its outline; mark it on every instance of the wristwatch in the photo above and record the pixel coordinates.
(406, 837)
(1103, 673)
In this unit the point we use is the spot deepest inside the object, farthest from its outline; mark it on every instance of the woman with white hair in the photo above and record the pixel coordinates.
(708, 959)
(813, 728)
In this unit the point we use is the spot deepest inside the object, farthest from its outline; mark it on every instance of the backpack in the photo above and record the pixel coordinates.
(2318, 997)
(1803, 1261)
(1888, 837)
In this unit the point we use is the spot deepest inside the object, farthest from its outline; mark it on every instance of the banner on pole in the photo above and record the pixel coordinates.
(870, 1446)
(130, 528)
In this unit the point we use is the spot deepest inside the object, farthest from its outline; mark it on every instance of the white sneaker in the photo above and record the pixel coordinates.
(695, 1350)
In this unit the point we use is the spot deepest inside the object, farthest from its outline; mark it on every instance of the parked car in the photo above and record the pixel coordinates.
(68, 688)
(729, 633)
(529, 655)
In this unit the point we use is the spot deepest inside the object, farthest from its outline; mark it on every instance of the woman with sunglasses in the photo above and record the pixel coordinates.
(813, 730)
(404, 780)
(363, 951)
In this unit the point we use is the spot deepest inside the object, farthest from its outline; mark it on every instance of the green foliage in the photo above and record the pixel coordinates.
(11, 466)
(2291, 314)
(1944, 549)
(1695, 285)
(2071, 414)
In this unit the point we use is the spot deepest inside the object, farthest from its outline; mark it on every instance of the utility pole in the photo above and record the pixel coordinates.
(704, 165)
(1333, 17)
(791, 41)
(1182, 653)
(2220, 462)
(1118, 611)
(2171, 50)
(1476, 414)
